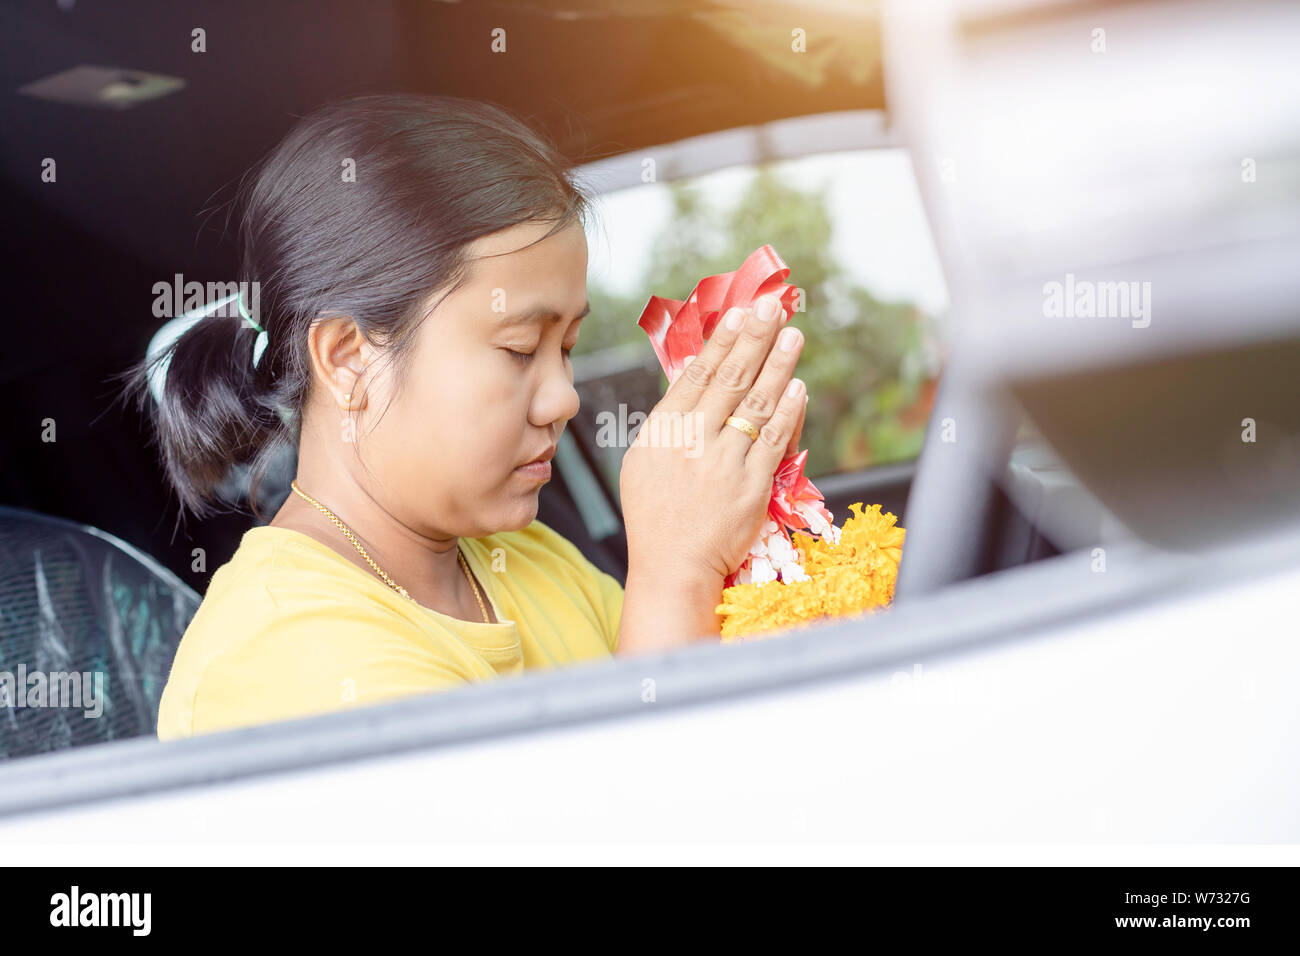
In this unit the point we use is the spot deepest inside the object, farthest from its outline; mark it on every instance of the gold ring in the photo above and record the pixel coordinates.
(744, 426)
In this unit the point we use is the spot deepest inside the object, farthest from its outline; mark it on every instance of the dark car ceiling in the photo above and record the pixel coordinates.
(140, 192)
(602, 80)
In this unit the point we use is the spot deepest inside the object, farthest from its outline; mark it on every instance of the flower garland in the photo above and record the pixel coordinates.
(823, 570)
(840, 578)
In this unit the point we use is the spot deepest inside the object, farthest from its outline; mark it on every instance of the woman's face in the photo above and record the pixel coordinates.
(470, 411)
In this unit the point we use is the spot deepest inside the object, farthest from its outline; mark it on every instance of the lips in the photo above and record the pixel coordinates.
(542, 458)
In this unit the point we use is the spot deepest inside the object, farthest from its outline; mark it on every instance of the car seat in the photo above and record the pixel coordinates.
(74, 599)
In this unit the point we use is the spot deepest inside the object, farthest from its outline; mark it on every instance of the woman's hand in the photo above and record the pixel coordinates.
(695, 489)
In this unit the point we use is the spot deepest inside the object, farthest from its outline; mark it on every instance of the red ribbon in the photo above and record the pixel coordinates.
(679, 330)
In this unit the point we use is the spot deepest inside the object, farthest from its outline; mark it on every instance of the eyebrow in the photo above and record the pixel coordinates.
(541, 312)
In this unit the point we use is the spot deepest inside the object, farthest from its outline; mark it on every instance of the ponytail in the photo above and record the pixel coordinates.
(212, 401)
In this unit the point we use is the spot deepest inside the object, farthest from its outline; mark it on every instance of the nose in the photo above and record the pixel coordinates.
(556, 400)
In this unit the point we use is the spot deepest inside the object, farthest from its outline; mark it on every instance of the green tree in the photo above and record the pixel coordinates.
(861, 357)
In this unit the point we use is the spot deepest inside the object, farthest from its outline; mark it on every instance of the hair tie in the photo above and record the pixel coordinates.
(262, 338)
(181, 324)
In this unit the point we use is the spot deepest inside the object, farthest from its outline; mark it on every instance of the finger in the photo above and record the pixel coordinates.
(793, 448)
(684, 391)
(759, 403)
(767, 451)
(737, 373)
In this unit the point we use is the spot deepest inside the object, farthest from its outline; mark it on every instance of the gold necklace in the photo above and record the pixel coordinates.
(380, 571)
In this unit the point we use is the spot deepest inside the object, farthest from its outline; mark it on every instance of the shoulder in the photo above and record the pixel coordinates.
(278, 578)
(289, 593)
(289, 628)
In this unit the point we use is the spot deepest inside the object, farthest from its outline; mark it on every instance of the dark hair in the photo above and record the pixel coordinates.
(432, 174)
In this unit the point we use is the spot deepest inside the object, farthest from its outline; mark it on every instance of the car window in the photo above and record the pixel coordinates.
(851, 227)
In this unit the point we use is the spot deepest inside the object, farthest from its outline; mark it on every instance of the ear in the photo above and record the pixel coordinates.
(340, 357)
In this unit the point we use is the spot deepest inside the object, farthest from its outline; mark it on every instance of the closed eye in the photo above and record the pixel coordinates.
(525, 357)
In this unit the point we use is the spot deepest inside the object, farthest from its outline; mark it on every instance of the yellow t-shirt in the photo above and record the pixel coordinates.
(289, 627)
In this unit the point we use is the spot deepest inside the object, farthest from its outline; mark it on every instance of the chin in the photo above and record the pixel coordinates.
(516, 514)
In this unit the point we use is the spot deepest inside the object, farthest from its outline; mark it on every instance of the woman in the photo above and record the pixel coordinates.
(422, 271)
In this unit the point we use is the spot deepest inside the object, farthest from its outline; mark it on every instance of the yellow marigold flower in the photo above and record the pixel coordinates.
(850, 577)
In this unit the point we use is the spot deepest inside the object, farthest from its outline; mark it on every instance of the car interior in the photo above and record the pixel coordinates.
(149, 137)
